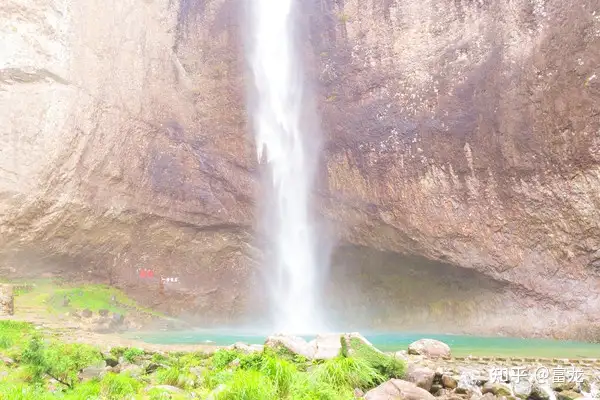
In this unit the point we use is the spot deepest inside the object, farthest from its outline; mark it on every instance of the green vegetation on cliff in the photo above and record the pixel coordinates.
(34, 366)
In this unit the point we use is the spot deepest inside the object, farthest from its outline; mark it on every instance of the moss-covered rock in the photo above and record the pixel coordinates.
(355, 345)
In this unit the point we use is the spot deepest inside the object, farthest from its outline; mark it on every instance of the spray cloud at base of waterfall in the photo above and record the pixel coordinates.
(287, 140)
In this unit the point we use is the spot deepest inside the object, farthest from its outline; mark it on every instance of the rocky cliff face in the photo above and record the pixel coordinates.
(465, 133)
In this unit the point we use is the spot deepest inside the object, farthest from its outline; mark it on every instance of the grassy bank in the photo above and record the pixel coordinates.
(37, 366)
(55, 297)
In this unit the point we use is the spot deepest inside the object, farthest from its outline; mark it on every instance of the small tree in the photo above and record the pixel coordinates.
(60, 361)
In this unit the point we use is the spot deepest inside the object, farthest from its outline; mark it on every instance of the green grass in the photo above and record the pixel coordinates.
(348, 371)
(59, 361)
(49, 296)
(44, 363)
(14, 333)
(118, 386)
(249, 385)
(387, 366)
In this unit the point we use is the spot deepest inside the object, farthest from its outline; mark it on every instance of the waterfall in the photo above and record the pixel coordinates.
(287, 142)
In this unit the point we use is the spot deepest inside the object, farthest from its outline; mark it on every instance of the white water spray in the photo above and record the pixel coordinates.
(286, 142)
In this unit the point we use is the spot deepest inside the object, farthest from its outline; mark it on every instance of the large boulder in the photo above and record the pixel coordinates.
(430, 348)
(397, 389)
(324, 346)
(291, 344)
(246, 348)
(421, 376)
(327, 346)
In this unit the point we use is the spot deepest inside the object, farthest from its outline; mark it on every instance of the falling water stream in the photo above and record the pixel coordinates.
(285, 143)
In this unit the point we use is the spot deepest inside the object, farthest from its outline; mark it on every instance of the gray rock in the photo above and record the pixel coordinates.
(110, 360)
(327, 346)
(117, 319)
(421, 376)
(87, 313)
(430, 348)
(151, 367)
(435, 388)
(245, 348)
(538, 393)
(104, 312)
(522, 388)
(449, 382)
(91, 373)
(497, 389)
(293, 344)
(398, 389)
(167, 388)
(132, 369)
(568, 395)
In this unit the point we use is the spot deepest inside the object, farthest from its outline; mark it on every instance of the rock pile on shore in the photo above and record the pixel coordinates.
(432, 373)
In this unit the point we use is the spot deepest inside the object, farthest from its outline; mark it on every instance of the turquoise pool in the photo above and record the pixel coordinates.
(460, 345)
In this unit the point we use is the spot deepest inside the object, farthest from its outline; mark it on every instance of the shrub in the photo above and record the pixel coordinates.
(223, 357)
(132, 354)
(60, 361)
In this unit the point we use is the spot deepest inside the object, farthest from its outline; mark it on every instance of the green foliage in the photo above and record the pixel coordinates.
(274, 374)
(48, 296)
(21, 391)
(249, 385)
(347, 372)
(89, 390)
(223, 357)
(158, 358)
(176, 375)
(61, 361)
(34, 361)
(118, 386)
(388, 367)
(13, 333)
(281, 372)
(214, 378)
(306, 387)
(118, 352)
(195, 359)
(158, 394)
(251, 360)
(132, 354)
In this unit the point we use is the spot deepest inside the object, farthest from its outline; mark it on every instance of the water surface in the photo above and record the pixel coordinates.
(460, 345)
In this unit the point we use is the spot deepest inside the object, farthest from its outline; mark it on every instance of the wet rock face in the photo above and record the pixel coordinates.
(116, 152)
(458, 131)
(468, 138)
